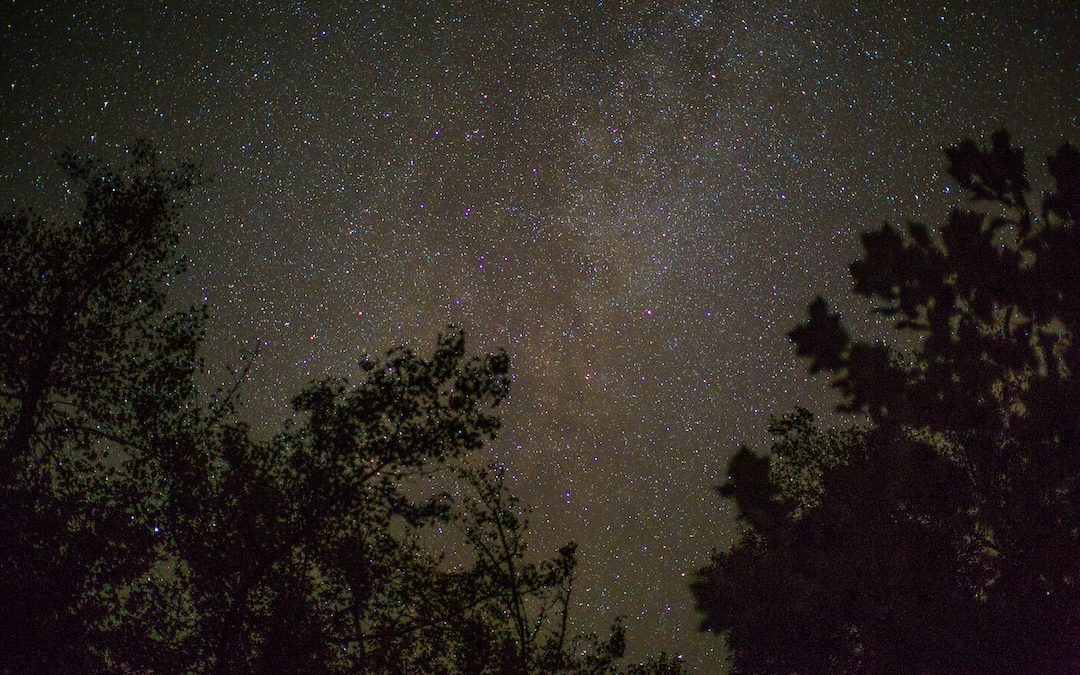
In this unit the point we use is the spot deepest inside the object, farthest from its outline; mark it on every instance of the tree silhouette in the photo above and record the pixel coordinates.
(145, 529)
(304, 548)
(945, 536)
(88, 356)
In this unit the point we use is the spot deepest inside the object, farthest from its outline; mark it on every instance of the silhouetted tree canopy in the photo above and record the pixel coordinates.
(90, 362)
(146, 530)
(944, 537)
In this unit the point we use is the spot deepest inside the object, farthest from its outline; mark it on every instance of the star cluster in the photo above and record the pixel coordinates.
(635, 199)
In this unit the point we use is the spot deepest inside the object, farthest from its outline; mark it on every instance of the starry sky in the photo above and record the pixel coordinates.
(636, 199)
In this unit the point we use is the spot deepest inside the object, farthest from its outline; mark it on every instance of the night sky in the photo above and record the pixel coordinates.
(636, 200)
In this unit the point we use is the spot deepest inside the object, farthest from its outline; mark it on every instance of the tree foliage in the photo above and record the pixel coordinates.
(944, 537)
(146, 529)
(89, 357)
